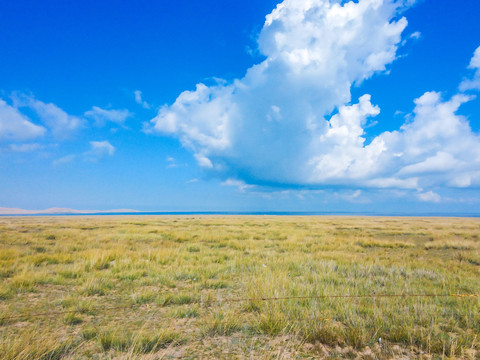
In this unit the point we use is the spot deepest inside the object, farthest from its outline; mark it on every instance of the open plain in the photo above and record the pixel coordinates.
(154, 287)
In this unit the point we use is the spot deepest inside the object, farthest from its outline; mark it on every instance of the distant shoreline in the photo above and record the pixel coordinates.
(243, 213)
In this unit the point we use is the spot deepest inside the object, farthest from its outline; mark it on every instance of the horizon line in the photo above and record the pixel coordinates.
(5, 212)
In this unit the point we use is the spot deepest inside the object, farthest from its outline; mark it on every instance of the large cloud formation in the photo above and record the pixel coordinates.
(275, 125)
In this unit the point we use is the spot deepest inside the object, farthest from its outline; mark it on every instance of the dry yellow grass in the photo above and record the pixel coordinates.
(171, 268)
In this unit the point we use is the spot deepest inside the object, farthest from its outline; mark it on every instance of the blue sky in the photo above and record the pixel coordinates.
(318, 105)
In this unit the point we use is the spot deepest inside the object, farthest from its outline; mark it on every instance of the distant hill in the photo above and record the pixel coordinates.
(52, 211)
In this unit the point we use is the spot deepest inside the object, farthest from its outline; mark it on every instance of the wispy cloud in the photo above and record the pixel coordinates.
(353, 195)
(16, 126)
(57, 120)
(429, 196)
(98, 150)
(474, 82)
(171, 162)
(64, 160)
(416, 35)
(102, 116)
(25, 147)
(237, 183)
(139, 100)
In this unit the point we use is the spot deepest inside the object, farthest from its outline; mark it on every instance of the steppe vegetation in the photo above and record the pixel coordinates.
(168, 278)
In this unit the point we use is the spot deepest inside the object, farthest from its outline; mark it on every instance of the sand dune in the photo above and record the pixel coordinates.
(54, 210)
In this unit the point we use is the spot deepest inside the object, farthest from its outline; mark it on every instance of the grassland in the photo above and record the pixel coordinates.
(169, 275)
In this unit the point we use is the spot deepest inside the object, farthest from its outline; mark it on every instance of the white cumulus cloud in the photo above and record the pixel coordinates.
(275, 125)
(315, 51)
(437, 147)
(16, 126)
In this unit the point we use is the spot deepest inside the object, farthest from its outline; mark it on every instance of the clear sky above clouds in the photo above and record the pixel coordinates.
(300, 105)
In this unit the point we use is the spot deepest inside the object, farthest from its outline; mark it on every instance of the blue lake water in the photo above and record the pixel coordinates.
(260, 213)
